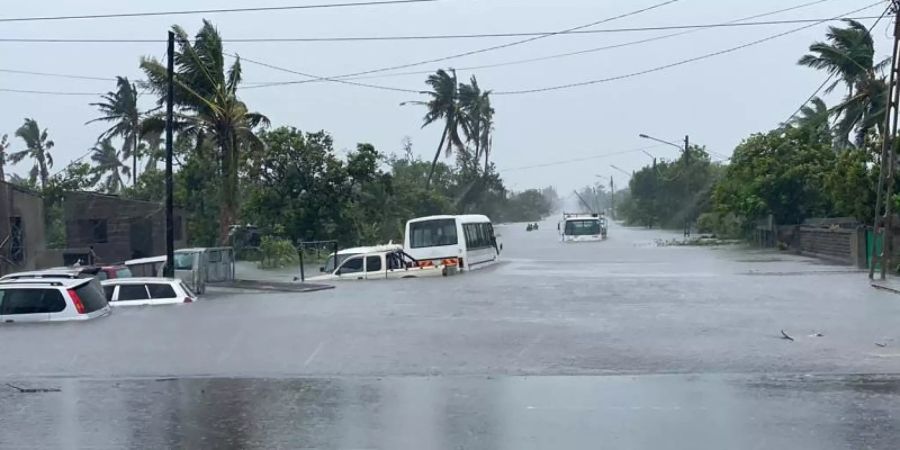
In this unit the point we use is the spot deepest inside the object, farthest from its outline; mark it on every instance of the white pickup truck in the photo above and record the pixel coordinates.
(380, 265)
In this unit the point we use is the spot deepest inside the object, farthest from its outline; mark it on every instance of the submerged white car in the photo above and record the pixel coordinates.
(380, 265)
(582, 227)
(147, 291)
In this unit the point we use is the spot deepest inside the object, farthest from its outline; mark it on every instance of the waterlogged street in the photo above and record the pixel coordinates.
(619, 344)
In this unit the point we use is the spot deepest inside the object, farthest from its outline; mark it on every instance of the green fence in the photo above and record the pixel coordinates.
(873, 247)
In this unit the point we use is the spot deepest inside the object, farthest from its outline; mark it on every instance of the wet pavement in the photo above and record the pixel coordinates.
(619, 344)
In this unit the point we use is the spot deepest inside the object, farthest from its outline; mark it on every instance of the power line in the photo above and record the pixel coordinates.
(675, 64)
(541, 34)
(61, 93)
(509, 44)
(57, 75)
(581, 52)
(830, 76)
(318, 77)
(588, 158)
(501, 64)
(214, 11)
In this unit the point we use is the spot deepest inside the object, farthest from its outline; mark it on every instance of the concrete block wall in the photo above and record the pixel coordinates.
(839, 245)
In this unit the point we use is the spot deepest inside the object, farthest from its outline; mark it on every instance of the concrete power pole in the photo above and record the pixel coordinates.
(612, 198)
(883, 226)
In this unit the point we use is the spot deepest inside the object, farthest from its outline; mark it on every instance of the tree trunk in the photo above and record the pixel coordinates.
(134, 173)
(477, 157)
(42, 166)
(487, 151)
(228, 212)
(437, 155)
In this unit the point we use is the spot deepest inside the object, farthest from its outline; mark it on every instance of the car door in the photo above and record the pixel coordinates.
(351, 269)
(132, 294)
(26, 304)
(375, 267)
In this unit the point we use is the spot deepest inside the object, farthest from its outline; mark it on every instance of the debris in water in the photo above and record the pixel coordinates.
(814, 334)
(880, 344)
(33, 390)
(785, 336)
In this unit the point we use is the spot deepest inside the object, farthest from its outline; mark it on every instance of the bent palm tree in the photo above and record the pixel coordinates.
(206, 94)
(37, 147)
(108, 163)
(444, 104)
(813, 115)
(121, 107)
(477, 118)
(849, 57)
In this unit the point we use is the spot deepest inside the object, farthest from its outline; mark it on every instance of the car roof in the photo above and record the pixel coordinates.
(371, 249)
(134, 280)
(151, 259)
(58, 282)
(464, 218)
(65, 272)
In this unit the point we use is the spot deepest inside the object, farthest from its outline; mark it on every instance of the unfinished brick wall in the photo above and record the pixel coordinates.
(838, 244)
(117, 228)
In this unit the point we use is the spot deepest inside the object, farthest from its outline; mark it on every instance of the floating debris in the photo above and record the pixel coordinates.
(785, 336)
(33, 390)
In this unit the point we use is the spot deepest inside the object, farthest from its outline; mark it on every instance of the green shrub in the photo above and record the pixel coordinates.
(722, 225)
(276, 252)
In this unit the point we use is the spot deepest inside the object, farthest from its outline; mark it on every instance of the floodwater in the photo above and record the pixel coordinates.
(617, 344)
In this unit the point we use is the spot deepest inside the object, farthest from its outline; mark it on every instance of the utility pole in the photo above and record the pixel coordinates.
(170, 226)
(612, 198)
(883, 225)
(687, 147)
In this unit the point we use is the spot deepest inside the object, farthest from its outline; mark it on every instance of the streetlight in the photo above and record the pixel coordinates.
(679, 147)
(620, 170)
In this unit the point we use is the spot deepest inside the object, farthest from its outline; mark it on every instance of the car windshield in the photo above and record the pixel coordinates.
(184, 261)
(571, 224)
(332, 262)
(582, 227)
(92, 296)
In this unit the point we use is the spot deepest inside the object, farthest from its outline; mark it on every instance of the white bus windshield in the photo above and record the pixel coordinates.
(433, 233)
(582, 227)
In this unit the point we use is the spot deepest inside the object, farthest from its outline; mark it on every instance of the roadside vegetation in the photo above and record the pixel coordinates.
(232, 166)
(822, 162)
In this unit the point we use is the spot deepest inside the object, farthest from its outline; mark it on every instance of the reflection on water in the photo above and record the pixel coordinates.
(458, 412)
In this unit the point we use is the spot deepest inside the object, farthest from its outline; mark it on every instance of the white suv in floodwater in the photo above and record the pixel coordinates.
(147, 291)
(51, 300)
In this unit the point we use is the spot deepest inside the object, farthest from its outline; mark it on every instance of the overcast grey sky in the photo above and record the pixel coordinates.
(718, 101)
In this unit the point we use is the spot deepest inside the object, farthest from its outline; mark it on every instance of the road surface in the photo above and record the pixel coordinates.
(619, 344)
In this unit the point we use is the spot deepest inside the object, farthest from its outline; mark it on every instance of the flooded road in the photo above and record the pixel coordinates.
(619, 344)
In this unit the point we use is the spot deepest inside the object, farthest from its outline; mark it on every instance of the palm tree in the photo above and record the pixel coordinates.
(814, 116)
(444, 104)
(206, 94)
(849, 57)
(108, 163)
(4, 144)
(477, 119)
(153, 151)
(37, 147)
(121, 107)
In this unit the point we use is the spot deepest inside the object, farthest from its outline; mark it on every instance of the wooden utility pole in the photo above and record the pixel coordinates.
(883, 226)
(170, 225)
